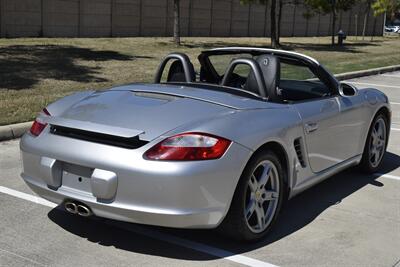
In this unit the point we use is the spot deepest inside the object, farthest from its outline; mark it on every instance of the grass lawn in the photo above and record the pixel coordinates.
(35, 72)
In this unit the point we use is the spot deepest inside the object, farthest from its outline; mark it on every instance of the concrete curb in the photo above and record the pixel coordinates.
(13, 131)
(362, 73)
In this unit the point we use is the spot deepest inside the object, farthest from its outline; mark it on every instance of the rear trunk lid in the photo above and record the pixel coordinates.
(127, 113)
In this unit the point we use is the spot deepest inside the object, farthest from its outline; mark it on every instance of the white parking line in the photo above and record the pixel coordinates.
(391, 75)
(31, 198)
(373, 84)
(389, 176)
(220, 253)
(394, 103)
(217, 252)
(394, 129)
(22, 257)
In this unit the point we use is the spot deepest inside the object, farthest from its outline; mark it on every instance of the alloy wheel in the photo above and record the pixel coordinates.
(377, 143)
(262, 195)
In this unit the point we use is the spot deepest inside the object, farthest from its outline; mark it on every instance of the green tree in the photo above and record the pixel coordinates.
(332, 7)
(274, 32)
(390, 7)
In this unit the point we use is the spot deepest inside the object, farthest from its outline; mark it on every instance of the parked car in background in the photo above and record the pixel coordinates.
(392, 28)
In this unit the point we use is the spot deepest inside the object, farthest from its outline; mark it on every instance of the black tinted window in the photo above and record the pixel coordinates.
(298, 83)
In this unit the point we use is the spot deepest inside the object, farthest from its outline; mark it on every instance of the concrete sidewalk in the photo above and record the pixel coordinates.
(13, 131)
(363, 73)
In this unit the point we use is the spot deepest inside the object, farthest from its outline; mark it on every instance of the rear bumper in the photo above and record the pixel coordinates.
(128, 213)
(173, 194)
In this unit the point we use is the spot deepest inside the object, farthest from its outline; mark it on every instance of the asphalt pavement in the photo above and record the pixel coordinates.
(347, 220)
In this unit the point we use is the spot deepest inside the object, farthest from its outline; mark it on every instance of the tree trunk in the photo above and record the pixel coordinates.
(373, 30)
(273, 24)
(177, 33)
(366, 15)
(278, 30)
(333, 26)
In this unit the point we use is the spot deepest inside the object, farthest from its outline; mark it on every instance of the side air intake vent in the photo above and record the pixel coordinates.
(299, 151)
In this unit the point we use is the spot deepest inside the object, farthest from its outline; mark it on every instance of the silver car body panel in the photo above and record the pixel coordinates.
(119, 183)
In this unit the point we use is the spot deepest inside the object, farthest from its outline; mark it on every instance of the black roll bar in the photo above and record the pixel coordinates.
(183, 58)
(262, 88)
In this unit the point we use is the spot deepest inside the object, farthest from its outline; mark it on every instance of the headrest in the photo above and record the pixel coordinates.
(176, 71)
(271, 71)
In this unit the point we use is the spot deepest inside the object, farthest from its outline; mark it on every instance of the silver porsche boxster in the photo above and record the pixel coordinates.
(222, 147)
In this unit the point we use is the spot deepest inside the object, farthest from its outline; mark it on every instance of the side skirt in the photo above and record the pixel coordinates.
(319, 177)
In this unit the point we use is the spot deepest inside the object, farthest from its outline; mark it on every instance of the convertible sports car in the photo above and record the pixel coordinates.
(224, 147)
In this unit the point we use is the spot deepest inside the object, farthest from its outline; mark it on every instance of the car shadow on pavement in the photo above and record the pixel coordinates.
(298, 212)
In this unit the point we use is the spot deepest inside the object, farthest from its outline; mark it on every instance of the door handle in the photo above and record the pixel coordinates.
(311, 127)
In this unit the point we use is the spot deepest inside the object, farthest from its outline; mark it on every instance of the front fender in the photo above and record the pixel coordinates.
(375, 101)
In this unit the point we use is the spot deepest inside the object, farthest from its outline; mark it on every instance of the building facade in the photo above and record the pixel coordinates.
(122, 18)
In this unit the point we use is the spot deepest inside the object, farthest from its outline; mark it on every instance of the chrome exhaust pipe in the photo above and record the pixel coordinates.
(77, 208)
(71, 207)
(84, 211)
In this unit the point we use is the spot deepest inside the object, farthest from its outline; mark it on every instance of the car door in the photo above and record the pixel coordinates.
(351, 123)
(331, 122)
(320, 120)
(332, 129)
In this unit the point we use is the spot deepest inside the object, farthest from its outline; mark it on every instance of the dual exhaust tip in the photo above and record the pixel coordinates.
(77, 208)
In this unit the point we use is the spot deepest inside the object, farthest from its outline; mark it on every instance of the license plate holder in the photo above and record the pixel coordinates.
(76, 182)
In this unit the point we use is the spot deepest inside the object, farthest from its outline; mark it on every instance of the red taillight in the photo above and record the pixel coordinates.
(189, 146)
(38, 126)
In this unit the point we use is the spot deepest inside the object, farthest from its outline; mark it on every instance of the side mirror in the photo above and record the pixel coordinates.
(347, 90)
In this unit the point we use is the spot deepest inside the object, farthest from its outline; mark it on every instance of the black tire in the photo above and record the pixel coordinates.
(365, 164)
(235, 225)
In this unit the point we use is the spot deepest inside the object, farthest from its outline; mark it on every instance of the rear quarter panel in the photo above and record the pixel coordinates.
(254, 128)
